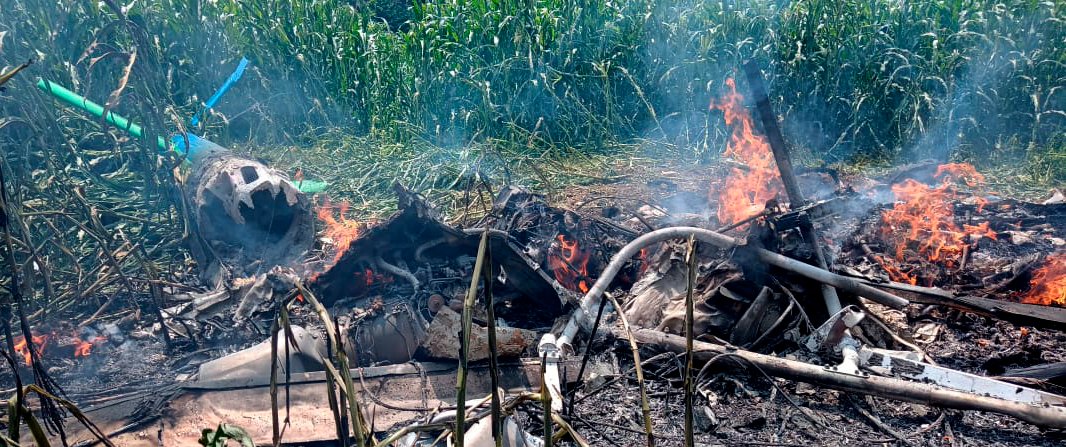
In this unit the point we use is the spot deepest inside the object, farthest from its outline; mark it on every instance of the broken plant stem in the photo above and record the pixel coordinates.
(876, 421)
(546, 400)
(645, 408)
(574, 435)
(44, 395)
(48, 408)
(275, 423)
(334, 402)
(280, 324)
(689, 317)
(587, 355)
(140, 255)
(464, 348)
(8, 300)
(494, 363)
(342, 358)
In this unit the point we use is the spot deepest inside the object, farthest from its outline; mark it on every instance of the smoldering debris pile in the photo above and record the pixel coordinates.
(396, 296)
(871, 310)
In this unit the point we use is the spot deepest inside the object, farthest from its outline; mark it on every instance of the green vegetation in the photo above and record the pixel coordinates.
(452, 95)
(853, 80)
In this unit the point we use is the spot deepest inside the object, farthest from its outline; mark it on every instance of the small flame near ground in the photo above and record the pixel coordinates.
(83, 348)
(745, 192)
(22, 348)
(569, 264)
(923, 219)
(371, 277)
(644, 261)
(340, 230)
(1048, 285)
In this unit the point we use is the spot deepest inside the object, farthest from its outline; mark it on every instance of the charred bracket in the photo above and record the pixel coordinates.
(834, 339)
(788, 176)
(806, 214)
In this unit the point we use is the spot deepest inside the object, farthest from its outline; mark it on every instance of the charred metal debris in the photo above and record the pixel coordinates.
(537, 310)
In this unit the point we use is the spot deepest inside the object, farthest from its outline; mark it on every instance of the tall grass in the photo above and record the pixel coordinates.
(880, 79)
(447, 94)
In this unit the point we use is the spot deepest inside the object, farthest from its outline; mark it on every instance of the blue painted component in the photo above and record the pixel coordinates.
(233, 78)
(196, 146)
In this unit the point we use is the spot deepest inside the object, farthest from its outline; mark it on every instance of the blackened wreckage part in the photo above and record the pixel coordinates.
(424, 262)
(788, 177)
(248, 217)
(886, 387)
(583, 315)
(834, 340)
(553, 348)
(569, 245)
(1017, 313)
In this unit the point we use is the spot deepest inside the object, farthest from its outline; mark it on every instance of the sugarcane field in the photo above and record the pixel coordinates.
(416, 223)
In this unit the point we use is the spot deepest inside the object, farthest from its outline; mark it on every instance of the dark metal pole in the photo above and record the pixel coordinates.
(788, 176)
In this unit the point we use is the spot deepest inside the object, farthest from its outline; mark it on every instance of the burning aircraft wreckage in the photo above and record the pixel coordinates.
(776, 308)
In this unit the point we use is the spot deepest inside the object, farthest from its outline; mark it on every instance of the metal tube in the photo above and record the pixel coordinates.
(94, 109)
(185, 143)
(586, 311)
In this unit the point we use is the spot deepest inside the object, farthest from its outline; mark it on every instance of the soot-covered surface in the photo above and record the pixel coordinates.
(740, 407)
(736, 407)
(123, 360)
(748, 410)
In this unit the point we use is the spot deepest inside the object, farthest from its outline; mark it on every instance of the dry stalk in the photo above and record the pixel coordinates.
(354, 408)
(578, 439)
(690, 440)
(546, 401)
(494, 363)
(464, 350)
(275, 424)
(645, 408)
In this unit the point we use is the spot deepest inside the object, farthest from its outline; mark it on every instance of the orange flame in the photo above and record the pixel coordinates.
(1048, 286)
(745, 192)
(643, 258)
(894, 272)
(83, 348)
(924, 218)
(569, 264)
(372, 277)
(342, 231)
(22, 348)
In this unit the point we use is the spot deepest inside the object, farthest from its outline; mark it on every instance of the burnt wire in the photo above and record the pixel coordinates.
(374, 397)
(743, 361)
(588, 353)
